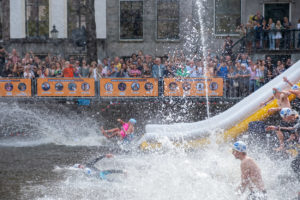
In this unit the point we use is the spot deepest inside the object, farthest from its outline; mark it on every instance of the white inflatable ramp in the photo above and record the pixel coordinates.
(232, 122)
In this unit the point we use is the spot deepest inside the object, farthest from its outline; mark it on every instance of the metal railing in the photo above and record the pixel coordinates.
(233, 89)
(273, 40)
(241, 87)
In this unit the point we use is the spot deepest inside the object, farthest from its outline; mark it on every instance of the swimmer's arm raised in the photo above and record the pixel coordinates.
(268, 100)
(278, 128)
(286, 128)
(287, 81)
(92, 162)
(285, 94)
(295, 92)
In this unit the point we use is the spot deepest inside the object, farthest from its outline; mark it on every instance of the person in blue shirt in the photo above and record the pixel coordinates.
(158, 69)
(222, 70)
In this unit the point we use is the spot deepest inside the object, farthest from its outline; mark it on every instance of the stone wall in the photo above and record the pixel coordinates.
(112, 46)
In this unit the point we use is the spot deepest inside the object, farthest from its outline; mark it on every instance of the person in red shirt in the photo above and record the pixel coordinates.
(69, 71)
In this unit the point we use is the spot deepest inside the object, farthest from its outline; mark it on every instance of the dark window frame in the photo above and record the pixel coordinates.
(37, 21)
(167, 20)
(142, 21)
(215, 18)
(1, 20)
(269, 3)
(80, 13)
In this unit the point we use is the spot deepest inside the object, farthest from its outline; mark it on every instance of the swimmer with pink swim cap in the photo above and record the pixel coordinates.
(123, 132)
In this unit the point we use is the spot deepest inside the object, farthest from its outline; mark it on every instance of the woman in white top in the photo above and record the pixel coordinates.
(278, 36)
(28, 73)
(271, 34)
(95, 71)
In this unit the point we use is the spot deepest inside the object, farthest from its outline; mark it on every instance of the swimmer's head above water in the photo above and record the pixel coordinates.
(295, 87)
(240, 146)
(239, 150)
(288, 112)
(132, 121)
(277, 89)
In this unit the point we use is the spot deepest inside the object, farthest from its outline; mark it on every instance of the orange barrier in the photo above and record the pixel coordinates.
(193, 87)
(128, 87)
(15, 87)
(63, 87)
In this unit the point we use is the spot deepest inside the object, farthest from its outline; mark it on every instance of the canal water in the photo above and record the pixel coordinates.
(40, 142)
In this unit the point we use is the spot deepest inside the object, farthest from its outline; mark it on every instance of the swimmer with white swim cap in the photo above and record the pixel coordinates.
(282, 100)
(288, 129)
(295, 89)
(250, 173)
(91, 170)
(126, 130)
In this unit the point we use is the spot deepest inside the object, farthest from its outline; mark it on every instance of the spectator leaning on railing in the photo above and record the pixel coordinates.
(68, 71)
(287, 33)
(146, 71)
(85, 69)
(241, 76)
(123, 72)
(278, 33)
(271, 34)
(134, 71)
(157, 69)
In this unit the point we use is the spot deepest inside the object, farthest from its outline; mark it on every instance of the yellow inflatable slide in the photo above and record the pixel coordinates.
(230, 123)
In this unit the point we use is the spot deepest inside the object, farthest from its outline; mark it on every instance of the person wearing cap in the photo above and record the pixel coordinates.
(295, 89)
(250, 173)
(126, 130)
(90, 169)
(282, 100)
(289, 127)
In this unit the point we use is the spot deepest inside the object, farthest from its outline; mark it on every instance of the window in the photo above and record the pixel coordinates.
(76, 15)
(168, 19)
(37, 19)
(1, 21)
(277, 11)
(131, 20)
(227, 16)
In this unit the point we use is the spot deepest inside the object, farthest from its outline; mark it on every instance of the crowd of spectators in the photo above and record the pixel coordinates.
(265, 33)
(241, 75)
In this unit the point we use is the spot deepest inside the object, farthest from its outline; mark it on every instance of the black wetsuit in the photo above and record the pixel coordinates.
(288, 133)
(100, 173)
(295, 165)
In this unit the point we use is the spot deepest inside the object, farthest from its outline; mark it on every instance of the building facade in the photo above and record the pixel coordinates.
(157, 27)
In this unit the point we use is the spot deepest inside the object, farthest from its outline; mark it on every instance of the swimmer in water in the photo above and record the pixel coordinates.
(289, 127)
(250, 173)
(294, 88)
(126, 129)
(91, 170)
(282, 100)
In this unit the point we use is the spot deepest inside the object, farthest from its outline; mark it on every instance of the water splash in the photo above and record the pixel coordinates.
(211, 173)
(31, 125)
(202, 13)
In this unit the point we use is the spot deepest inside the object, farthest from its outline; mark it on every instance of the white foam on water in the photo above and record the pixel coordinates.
(210, 173)
(23, 125)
